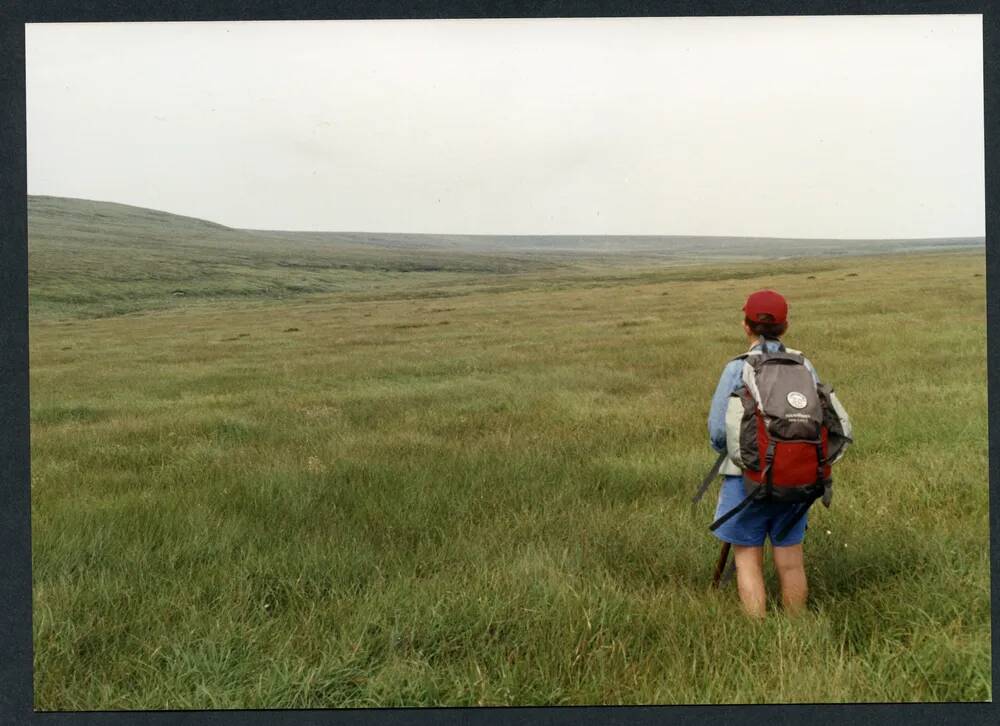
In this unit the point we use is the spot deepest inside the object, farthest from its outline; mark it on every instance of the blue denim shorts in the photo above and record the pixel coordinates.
(758, 521)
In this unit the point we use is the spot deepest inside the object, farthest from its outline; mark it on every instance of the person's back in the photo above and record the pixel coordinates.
(746, 522)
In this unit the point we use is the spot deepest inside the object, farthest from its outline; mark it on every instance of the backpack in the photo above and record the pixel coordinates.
(784, 430)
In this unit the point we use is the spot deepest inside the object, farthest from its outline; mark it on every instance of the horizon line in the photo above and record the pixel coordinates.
(503, 234)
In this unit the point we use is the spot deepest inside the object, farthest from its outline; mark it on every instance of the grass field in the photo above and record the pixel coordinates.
(468, 486)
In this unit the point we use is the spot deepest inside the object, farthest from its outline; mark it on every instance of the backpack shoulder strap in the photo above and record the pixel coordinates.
(806, 362)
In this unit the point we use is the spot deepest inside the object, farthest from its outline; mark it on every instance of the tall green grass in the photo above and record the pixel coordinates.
(484, 498)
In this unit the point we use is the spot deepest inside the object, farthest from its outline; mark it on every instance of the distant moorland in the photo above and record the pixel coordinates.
(99, 258)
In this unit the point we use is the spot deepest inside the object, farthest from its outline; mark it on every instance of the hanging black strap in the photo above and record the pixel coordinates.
(820, 463)
(768, 466)
(803, 508)
(708, 479)
(735, 510)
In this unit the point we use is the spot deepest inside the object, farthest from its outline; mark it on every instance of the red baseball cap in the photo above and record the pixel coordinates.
(766, 303)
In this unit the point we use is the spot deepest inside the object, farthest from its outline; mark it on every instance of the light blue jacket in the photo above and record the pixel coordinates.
(730, 380)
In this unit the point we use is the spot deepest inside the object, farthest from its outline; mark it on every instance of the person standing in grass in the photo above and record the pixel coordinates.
(784, 523)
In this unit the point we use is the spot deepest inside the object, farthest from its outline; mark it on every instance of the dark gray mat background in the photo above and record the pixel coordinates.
(15, 532)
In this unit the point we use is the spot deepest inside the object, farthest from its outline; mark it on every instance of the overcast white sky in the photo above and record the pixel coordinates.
(795, 127)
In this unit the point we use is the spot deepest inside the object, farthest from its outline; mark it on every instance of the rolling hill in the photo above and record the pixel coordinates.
(99, 258)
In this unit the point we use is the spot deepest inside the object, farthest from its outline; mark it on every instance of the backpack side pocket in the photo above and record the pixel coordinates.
(741, 430)
(837, 423)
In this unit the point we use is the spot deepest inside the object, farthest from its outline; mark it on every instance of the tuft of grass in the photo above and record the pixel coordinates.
(62, 414)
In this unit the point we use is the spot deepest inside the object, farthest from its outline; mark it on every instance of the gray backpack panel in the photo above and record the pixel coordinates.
(786, 393)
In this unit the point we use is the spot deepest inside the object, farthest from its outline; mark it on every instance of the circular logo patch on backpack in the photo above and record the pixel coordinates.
(797, 400)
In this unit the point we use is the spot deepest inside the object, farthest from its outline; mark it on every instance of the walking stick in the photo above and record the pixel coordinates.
(720, 565)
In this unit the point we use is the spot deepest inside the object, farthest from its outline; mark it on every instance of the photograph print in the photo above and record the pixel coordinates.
(541, 362)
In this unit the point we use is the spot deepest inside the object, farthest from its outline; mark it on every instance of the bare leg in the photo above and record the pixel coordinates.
(750, 579)
(788, 561)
